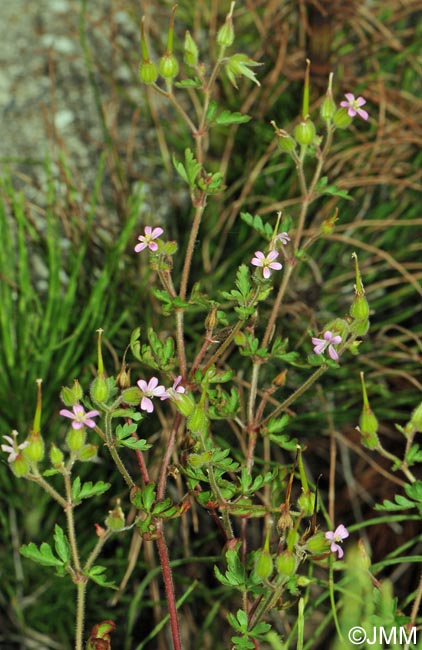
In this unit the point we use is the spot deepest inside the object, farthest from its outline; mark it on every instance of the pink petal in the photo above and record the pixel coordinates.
(142, 385)
(92, 414)
(157, 232)
(336, 339)
(350, 97)
(256, 262)
(276, 266)
(328, 336)
(77, 425)
(364, 115)
(272, 255)
(341, 532)
(140, 247)
(147, 230)
(266, 272)
(90, 423)
(260, 255)
(333, 354)
(67, 414)
(147, 405)
(153, 246)
(78, 409)
(360, 101)
(153, 382)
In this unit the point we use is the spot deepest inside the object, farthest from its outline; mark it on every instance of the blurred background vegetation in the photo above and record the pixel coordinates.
(67, 266)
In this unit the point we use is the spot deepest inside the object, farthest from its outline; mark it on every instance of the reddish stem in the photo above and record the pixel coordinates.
(168, 586)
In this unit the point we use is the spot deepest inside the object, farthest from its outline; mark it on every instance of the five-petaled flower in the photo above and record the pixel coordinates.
(147, 240)
(13, 449)
(338, 535)
(354, 106)
(266, 262)
(329, 340)
(151, 390)
(176, 388)
(79, 417)
(283, 237)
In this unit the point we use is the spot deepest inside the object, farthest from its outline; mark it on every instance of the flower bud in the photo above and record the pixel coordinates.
(75, 439)
(190, 50)
(20, 466)
(168, 66)
(341, 118)
(305, 132)
(132, 396)
(116, 518)
(67, 396)
(148, 72)
(34, 452)
(56, 456)
(123, 378)
(211, 319)
(327, 226)
(264, 564)
(317, 544)
(286, 564)
(87, 453)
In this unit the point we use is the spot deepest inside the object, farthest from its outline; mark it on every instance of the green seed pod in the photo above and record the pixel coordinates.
(359, 308)
(190, 50)
(20, 466)
(285, 142)
(225, 35)
(305, 132)
(286, 564)
(306, 503)
(342, 119)
(87, 453)
(198, 422)
(317, 544)
(168, 66)
(77, 391)
(292, 538)
(56, 456)
(368, 423)
(67, 396)
(75, 439)
(359, 327)
(34, 452)
(184, 403)
(148, 72)
(264, 564)
(199, 460)
(116, 518)
(99, 389)
(328, 108)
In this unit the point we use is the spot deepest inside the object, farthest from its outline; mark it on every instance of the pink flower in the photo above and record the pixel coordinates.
(354, 106)
(283, 237)
(176, 388)
(147, 240)
(267, 262)
(79, 417)
(13, 449)
(338, 535)
(329, 340)
(151, 390)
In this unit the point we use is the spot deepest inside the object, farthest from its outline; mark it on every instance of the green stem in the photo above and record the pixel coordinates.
(80, 612)
(113, 451)
(168, 586)
(297, 393)
(36, 478)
